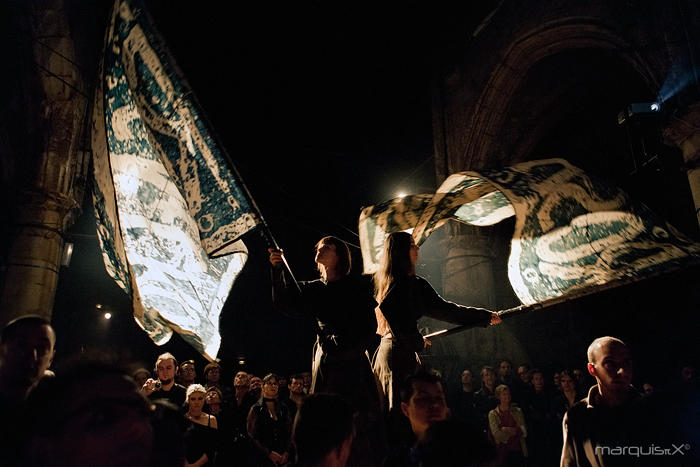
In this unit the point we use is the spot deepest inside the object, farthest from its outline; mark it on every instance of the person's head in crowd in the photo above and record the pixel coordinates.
(140, 376)
(213, 400)
(610, 363)
(688, 372)
(577, 373)
(566, 381)
(270, 386)
(296, 385)
(332, 258)
(187, 373)
(241, 380)
(647, 388)
(423, 400)
(323, 431)
(93, 414)
(488, 378)
(26, 352)
(256, 386)
(212, 374)
(556, 377)
(466, 379)
(537, 379)
(307, 381)
(503, 395)
(195, 397)
(284, 382)
(505, 370)
(453, 443)
(524, 373)
(166, 368)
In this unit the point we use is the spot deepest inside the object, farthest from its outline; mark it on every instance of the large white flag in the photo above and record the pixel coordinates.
(169, 206)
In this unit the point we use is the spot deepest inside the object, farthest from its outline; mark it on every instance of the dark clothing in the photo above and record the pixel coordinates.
(461, 405)
(199, 440)
(291, 407)
(266, 433)
(484, 402)
(407, 300)
(343, 315)
(175, 396)
(560, 405)
(544, 437)
(237, 415)
(343, 311)
(234, 445)
(591, 428)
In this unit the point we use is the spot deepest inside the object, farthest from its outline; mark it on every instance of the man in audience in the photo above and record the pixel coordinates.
(93, 415)
(462, 402)
(505, 373)
(165, 386)
(542, 450)
(26, 352)
(296, 394)
(485, 398)
(524, 373)
(307, 381)
(255, 387)
(323, 430)
(599, 423)
(212, 375)
(505, 376)
(422, 403)
(187, 374)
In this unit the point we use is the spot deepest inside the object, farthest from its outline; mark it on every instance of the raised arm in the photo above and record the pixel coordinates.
(286, 297)
(437, 307)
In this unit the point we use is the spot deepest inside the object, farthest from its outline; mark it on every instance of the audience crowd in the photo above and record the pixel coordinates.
(92, 413)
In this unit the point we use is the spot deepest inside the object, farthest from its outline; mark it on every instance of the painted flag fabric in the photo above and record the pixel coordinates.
(572, 230)
(170, 210)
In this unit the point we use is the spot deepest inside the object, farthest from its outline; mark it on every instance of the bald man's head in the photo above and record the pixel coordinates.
(610, 363)
(594, 350)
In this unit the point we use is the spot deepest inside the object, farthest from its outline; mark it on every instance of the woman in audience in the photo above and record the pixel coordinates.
(270, 426)
(201, 436)
(507, 430)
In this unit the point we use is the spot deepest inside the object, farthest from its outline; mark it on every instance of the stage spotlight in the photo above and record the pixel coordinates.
(108, 315)
(401, 195)
(638, 109)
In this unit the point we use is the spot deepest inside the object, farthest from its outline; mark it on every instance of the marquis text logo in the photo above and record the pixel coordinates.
(642, 451)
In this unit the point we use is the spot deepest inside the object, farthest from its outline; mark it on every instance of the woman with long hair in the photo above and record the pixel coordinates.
(403, 297)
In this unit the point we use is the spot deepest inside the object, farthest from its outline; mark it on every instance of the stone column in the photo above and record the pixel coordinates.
(35, 257)
(468, 269)
(49, 199)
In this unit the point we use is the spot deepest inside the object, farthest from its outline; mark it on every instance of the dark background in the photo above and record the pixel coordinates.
(325, 107)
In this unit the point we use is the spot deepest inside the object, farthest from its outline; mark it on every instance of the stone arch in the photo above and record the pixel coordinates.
(518, 58)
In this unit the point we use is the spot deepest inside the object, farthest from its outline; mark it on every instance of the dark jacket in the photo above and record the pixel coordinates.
(410, 298)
